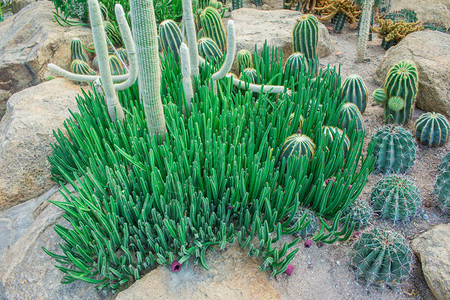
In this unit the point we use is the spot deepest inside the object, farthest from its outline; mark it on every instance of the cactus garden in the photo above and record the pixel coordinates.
(223, 149)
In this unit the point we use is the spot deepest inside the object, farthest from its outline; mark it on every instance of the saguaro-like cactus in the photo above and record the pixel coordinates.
(364, 29)
(306, 36)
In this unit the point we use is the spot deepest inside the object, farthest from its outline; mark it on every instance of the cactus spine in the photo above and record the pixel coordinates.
(382, 258)
(394, 148)
(306, 36)
(364, 29)
(360, 213)
(76, 50)
(207, 48)
(395, 198)
(213, 27)
(170, 35)
(442, 186)
(244, 60)
(348, 113)
(356, 91)
(432, 129)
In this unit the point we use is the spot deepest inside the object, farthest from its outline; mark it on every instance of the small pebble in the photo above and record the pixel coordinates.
(339, 54)
(319, 244)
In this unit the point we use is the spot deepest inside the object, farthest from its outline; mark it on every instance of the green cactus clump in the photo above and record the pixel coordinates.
(76, 50)
(244, 60)
(299, 145)
(170, 35)
(116, 66)
(213, 27)
(249, 75)
(331, 133)
(236, 4)
(207, 48)
(296, 66)
(442, 186)
(432, 129)
(306, 36)
(123, 55)
(81, 67)
(379, 96)
(395, 198)
(356, 91)
(360, 213)
(350, 112)
(311, 228)
(382, 258)
(113, 34)
(395, 149)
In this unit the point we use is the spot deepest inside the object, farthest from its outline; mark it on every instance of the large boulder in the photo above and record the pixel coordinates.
(30, 40)
(26, 132)
(17, 5)
(255, 26)
(433, 250)
(430, 50)
(232, 275)
(429, 11)
(27, 272)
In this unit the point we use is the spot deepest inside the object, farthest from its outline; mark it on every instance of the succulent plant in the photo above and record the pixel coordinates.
(76, 50)
(382, 258)
(339, 11)
(170, 37)
(123, 55)
(306, 36)
(442, 186)
(395, 198)
(331, 133)
(395, 149)
(432, 129)
(379, 96)
(299, 145)
(236, 4)
(331, 77)
(296, 65)
(360, 213)
(113, 34)
(393, 31)
(350, 112)
(244, 60)
(213, 27)
(116, 66)
(207, 48)
(249, 75)
(312, 226)
(356, 91)
(81, 67)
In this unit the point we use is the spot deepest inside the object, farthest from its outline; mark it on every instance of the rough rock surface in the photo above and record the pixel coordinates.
(17, 5)
(26, 132)
(232, 275)
(430, 11)
(430, 50)
(27, 272)
(30, 40)
(433, 250)
(255, 26)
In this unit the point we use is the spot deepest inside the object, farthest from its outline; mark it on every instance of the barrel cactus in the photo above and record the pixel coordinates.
(116, 66)
(348, 113)
(213, 27)
(207, 48)
(395, 198)
(249, 75)
(360, 213)
(356, 91)
(306, 36)
(113, 34)
(442, 187)
(298, 145)
(382, 258)
(432, 129)
(311, 228)
(394, 148)
(379, 96)
(76, 50)
(332, 134)
(170, 37)
(295, 66)
(244, 60)
(81, 67)
(122, 53)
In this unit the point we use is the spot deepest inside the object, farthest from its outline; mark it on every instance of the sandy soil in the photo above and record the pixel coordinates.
(324, 273)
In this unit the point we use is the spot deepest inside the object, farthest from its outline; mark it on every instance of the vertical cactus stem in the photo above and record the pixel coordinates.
(146, 40)
(364, 30)
(231, 51)
(112, 101)
(189, 26)
(186, 72)
(129, 45)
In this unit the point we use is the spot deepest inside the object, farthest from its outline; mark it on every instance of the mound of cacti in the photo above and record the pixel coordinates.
(338, 11)
(442, 186)
(395, 198)
(382, 258)
(432, 129)
(360, 213)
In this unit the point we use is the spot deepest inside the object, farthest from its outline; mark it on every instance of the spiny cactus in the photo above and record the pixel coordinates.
(338, 11)
(312, 226)
(432, 129)
(296, 66)
(392, 32)
(170, 35)
(356, 91)
(207, 48)
(213, 27)
(331, 77)
(360, 213)
(395, 150)
(236, 4)
(332, 134)
(350, 112)
(113, 34)
(365, 34)
(442, 186)
(395, 198)
(116, 66)
(379, 96)
(123, 56)
(250, 75)
(244, 59)
(382, 258)
(306, 36)
(299, 145)
(81, 67)
(76, 50)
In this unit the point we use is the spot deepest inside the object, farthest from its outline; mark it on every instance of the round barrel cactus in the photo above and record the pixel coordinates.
(81, 67)
(331, 77)
(306, 36)
(244, 60)
(432, 129)
(360, 213)
(213, 27)
(442, 186)
(311, 228)
(113, 34)
(394, 148)
(296, 65)
(116, 66)
(249, 75)
(299, 145)
(382, 258)
(123, 54)
(356, 91)
(395, 198)
(379, 96)
(348, 113)
(76, 50)
(333, 133)
(170, 35)
(207, 48)
(291, 119)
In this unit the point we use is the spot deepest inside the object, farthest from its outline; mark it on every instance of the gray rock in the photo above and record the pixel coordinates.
(430, 50)
(255, 26)
(17, 5)
(232, 275)
(30, 40)
(433, 250)
(27, 272)
(430, 11)
(25, 137)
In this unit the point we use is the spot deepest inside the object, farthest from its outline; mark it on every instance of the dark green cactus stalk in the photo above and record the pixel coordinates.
(306, 36)
(170, 35)
(432, 129)
(382, 258)
(332, 134)
(401, 81)
(312, 227)
(76, 50)
(360, 213)
(339, 21)
(395, 198)
(442, 186)
(104, 11)
(213, 27)
(113, 34)
(395, 150)
(249, 75)
(296, 66)
(201, 34)
(236, 4)
(116, 66)
(81, 67)
(299, 145)
(244, 59)
(350, 112)
(207, 48)
(379, 96)
(356, 91)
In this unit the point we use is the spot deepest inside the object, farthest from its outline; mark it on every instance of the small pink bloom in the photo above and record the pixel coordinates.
(176, 266)
(289, 270)
(308, 243)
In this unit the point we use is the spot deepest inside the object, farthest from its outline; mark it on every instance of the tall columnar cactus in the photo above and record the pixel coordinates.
(442, 186)
(360, 213)
(76, 50)
(395, 150)
(356, 91)
(348, 113)
(207, 48)
(296, 65)
(401, 81)
(244, 59)
(236, 4)
(364, 29)
(395, 198)
(170, 36)
(186, 72)
(213, 27)
(306, 36)
(432, 129)
(382, 258)
(191, 35)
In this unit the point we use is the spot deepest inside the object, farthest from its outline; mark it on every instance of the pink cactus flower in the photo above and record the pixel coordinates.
(308, 243)
(289, 270)
(176, 266)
